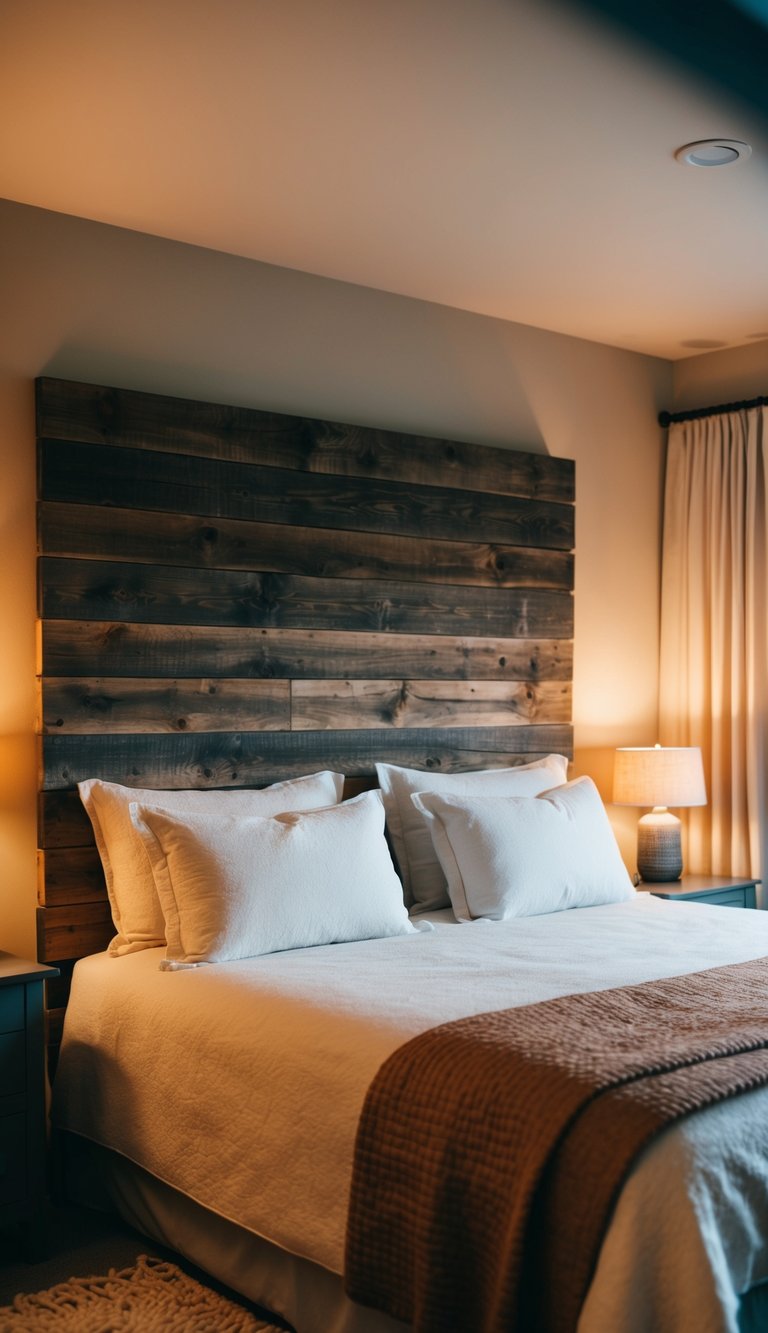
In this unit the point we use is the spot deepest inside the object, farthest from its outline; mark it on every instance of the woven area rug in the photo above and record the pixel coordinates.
(151, 1297)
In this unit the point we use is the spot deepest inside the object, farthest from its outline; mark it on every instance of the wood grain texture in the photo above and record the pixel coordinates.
(228, 759)
(62, 821)
(128, 704)
(177, 595)
(69, 875)
(94, 413)
(226, 543)
(325, 705)
(73, 648)
(230, 596)
(72, 932)
(216, 488)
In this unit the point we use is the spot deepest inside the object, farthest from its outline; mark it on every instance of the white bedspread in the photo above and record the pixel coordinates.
(241, 1085)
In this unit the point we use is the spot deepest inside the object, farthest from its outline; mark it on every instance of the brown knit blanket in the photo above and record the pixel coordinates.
(491, 1150)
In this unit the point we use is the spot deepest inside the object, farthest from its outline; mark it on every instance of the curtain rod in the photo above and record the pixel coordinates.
(666, 418)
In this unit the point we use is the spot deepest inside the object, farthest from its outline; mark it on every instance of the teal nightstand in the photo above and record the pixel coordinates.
(721, 890)
(22, 1098)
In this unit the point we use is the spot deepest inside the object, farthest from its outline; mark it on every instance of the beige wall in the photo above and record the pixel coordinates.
(95, 303)
(721, 377)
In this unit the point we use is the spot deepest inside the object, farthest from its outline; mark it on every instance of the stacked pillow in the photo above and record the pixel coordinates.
(221, 875)
(424, 882)
(508, 856)
(133, 897)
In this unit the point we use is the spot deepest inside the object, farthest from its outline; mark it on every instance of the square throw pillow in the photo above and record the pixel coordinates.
(420, 870)
(133, 898)
(524, 856)
(236, 888)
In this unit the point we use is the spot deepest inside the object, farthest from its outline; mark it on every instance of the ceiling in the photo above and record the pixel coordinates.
(509, 157)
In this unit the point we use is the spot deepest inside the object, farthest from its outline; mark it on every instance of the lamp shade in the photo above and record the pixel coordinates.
(659, 776)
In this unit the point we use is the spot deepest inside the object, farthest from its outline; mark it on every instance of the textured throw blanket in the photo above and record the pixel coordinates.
(491, 1150)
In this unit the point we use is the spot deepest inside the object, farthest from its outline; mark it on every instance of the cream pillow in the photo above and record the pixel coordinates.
(517, 856)
(423, 879)
(235, 888)
(133, 898)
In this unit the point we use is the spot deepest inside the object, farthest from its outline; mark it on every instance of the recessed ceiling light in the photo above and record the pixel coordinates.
(713, 152)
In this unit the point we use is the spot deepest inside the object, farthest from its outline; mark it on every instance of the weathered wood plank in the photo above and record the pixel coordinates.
(349, 704)
(255, 758)
(62, 821)
(215, 488)
(228, 543)
(69, 875)
(123, 417)
(73, 932)
(132, 704)
(77, 648)
(173, 595)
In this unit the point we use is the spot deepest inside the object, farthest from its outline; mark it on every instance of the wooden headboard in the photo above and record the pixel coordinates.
(228, 597)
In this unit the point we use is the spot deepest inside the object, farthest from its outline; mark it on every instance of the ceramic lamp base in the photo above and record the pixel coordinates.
(659, 850)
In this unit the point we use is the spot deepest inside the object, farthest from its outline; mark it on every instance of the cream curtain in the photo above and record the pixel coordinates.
(714, 650)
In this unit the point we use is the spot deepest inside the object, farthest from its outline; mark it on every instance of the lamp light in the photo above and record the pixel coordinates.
(659, 776)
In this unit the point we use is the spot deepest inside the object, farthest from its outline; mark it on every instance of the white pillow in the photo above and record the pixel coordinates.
(423, 879)
(133, 898)
(517, 856)
(235, 888)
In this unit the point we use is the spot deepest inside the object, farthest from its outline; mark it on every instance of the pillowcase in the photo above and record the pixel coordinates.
(423, 879)
(235, 888)
(133, 898)
(516, 856)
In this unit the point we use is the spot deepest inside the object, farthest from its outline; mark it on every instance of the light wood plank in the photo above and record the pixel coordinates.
(70, 411)
(105, 649)
(334, 704)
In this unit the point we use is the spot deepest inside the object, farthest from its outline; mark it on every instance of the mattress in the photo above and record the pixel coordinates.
(240, 1086)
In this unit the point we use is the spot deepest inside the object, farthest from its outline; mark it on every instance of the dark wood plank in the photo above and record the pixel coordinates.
(69, 875)
(349, 704)
(173, 595)
(215, 488)
(256, 758)
(228, 543)
(123, 417)
(74, 648)
(57, 988)
(62, 821)
(73, 932)
(132, 704)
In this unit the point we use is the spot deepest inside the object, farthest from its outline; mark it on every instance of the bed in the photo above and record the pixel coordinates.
(230, 600)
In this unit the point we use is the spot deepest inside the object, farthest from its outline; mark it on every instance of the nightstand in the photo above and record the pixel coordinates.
(721, 890)
(22, 1097)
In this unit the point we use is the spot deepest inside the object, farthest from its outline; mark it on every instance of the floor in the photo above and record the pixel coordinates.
(83, 1243)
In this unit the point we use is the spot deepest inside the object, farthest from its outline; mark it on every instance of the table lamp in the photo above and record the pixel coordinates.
(659, 776)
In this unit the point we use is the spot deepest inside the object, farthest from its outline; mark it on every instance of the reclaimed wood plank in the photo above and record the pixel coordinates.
(73, 648)
(123, 417)
(62, 820)
(73, 932)
(133, 704)
(349, 704)
(256, 758)
(69, 875)
(214, 488)
(173, 595)
(228, 543)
